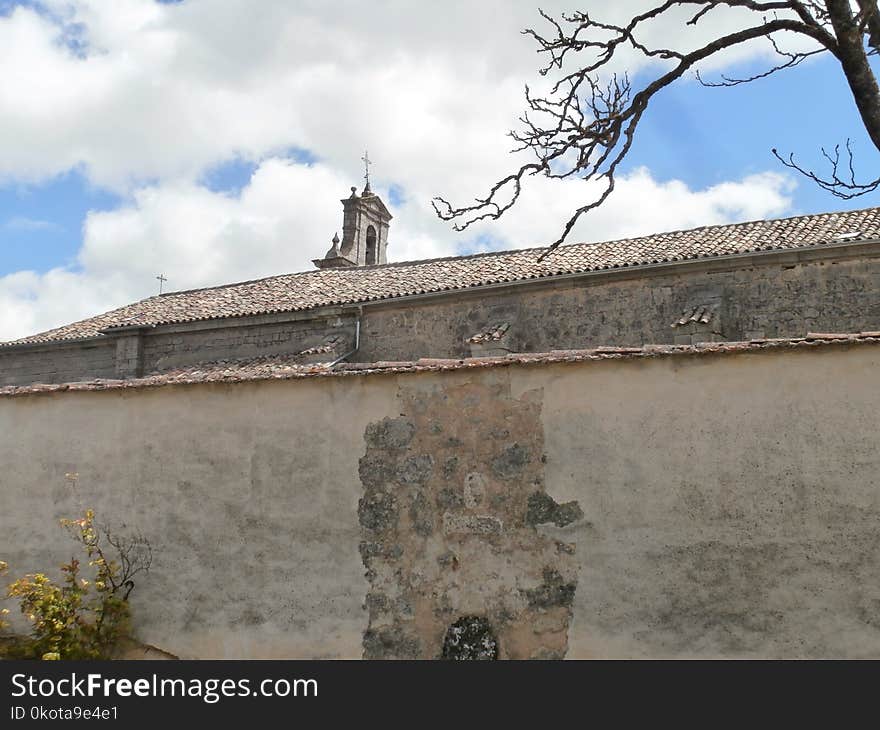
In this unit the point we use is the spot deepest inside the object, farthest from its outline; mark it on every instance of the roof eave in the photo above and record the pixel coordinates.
(10, 346)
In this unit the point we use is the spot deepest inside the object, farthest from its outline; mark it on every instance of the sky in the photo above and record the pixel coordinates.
(212, 140)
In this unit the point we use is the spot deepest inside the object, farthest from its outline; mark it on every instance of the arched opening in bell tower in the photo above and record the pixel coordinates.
(370, 257)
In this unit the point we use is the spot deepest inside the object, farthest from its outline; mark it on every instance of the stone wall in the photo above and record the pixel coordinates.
(768, 295)
(131, 354)
(631, 309)
(677, 506)
(60, 363)
(163, 351)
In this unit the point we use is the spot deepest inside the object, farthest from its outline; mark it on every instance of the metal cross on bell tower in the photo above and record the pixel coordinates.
(162, 280)
(367, 162)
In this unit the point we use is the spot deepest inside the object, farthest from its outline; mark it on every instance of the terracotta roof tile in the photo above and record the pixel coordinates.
(493, 333)
(325, 348)
(327, 287)
(700, 314)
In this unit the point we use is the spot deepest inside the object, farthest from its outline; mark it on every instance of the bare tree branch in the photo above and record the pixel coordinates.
(585, 125)
(793, 59)
(844, 187)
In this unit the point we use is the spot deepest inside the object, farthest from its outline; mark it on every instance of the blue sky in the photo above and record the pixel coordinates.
(41, 222)
(705, 135)
(140, 138)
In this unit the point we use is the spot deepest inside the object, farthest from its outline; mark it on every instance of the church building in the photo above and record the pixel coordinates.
(758, 280)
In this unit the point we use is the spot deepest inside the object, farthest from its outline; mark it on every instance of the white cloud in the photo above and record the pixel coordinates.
(640, 205)
(287, 215)
(163, 92)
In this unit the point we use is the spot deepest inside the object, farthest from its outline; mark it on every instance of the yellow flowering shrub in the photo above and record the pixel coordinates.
(81, 618)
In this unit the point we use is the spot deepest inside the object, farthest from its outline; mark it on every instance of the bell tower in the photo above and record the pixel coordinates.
(365, 223)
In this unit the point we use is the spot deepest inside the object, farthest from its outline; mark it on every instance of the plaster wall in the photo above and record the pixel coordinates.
(680, 506)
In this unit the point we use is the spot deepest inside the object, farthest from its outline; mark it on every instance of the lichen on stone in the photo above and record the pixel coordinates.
(511, 461)
(416, 469)
(377, 510)
(543, 509)
(421, 515)
(390, 643)
(470, 638)
(554, 591)
(390, 433)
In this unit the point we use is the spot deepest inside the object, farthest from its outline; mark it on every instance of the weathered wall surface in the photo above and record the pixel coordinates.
(165, 351)
(132, 355)
(687, 506)
(730, 503)
(453, 488)
(776, 300)
(58, 363)
(247, 494)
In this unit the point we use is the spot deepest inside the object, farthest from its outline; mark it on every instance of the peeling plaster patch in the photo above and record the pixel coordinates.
(448, 521)
(391, 433)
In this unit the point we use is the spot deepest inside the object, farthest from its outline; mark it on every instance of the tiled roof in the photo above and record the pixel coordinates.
(283, 367)
(308, 290)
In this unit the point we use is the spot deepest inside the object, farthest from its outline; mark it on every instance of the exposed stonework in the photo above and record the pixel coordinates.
(772, 300)
(491, 341)
(829, 236)
(130, 356)
(167, 351)
(289, 368)
(449, 542)
(699, 323)
(543, 509)
(60, 363)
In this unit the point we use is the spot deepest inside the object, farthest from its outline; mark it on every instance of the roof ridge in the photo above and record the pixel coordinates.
(506, 252)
